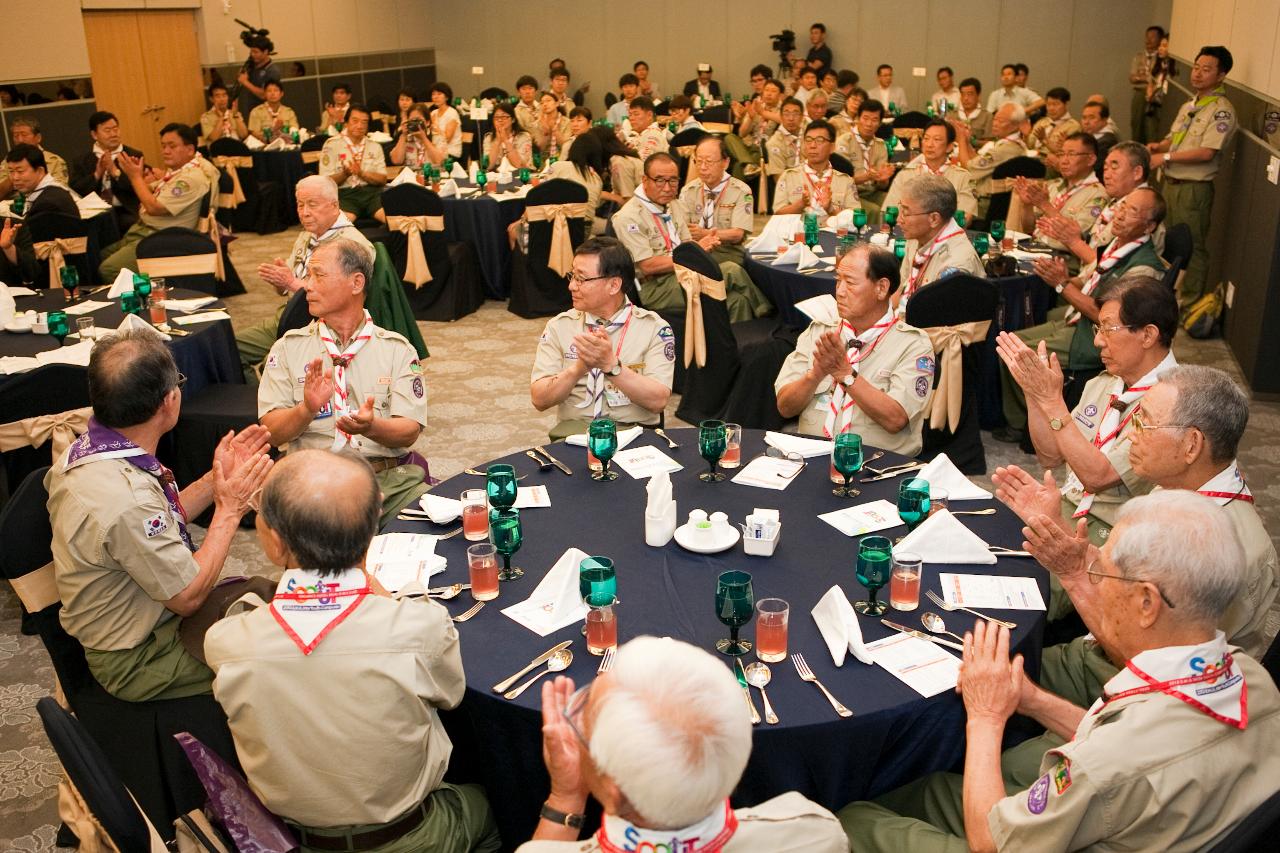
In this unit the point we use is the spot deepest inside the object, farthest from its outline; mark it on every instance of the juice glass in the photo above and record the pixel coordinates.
(475, 515)
(771, 629)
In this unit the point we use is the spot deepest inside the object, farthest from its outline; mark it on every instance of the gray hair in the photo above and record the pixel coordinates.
(1186, 545)
(1018, 114)
(1136, 153)
(671, 730)
(324, 534)
(130, 375)
(352, 258)
(933, 193)
(1210, 401)
(322, 186)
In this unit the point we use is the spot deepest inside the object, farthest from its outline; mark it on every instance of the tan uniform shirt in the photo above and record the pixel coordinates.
(1084, 204)
(551, 142)
(651, 140)
(734, 207)
(526, 115)
(307, 243)
(901, 365)
(643, 235)
(625, 174)
(979, 122)
(117, 553)
(990, 155)
(213, 118)
(340, 149)
(956, 254)
(871, 156)
(386, 368)
(349, 734)
(958, 176)
(786, 824)
(1048, 134)
(1148, 772)
(1209, 126)
(649, 348)
(260, 118)
(793, 185)
(784, 150)
(1087, 415)
(1140, 66)
(180, 194)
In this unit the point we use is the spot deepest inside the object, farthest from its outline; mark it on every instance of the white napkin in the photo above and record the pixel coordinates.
(793, 255)
(92, 204)
(379, 136)
(943, 539)
(193, 304)
(253, 143)
(822, 308)
(457, 171)
(659, 499)
(304, 135)
(449, 187)
(11, 364)
(809, 448)
(473, 169)
(492, 178)
(202, 317)
(440, 509)
(881, 239)
(16, 290)
(809, 259)
(277, 144)
(77, 354)
(843, 218)
(778, 230)
(406, 176)
(133, 321)
(86, 307)
(624, 438)
(556, 602)
(8, 307)
(943, 474)
(838, 623)
(122, 285)
(506, 166)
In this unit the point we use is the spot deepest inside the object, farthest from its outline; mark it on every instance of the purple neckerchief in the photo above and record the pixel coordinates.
(101, 442)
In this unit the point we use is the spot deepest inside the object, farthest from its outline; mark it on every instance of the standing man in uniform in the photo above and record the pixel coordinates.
(98, 170)
(934, 159)
(869, 155)
(1191, 155)
(936, 245)
(715, 202)
(784, 145)
(357, 165)
(344, 382)
(862, 369)
(815, 186)
(1007, 131)
(1139, 74)
(261, 71)
(605, 357)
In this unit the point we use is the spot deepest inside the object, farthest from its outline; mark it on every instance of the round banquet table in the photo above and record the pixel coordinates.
(785, 285)
(285, 168)
(482, 221)
(895, 734)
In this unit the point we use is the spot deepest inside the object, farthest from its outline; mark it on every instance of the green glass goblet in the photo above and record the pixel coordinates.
(913, 501)
(500, 485)
(712, 440)
(875, 560)
(602, 438)
(846, 456)
(507, 535)
(735, 603)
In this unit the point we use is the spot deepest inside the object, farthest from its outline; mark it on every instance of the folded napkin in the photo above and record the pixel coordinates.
(881, 239)
(278, 144)
(457, 171)
(202, 317)
(440, 509)
(91, 204)
(253, 143)
(505, 166)
(494, 178)
(943, 539)
(842, 219)
(86, 307)
(820, 308)
(943, 474)
(448, 188)
(659, 502)
(11, 364)
(122, 285)
(133, 321)
(379, 136)
(778, 230)
(473, 169)
(16, 290)
(797, 254)
(624, 438)
(77, 354)
(406, 176)
(838, 624)
(810, 260)
(193, 304)
(809, 448)
(7, 305)
(556, 602)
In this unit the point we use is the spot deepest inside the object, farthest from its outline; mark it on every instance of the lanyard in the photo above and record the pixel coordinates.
(663, 230)
(1235, 496)
(709, 211)
(1167, 688)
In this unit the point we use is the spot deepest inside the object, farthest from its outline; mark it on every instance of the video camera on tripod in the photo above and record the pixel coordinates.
(784, 43)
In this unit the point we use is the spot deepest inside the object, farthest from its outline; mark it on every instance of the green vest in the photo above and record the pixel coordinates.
(1084, 355)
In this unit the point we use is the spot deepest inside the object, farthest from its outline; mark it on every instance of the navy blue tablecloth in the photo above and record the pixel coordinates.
(785, 285)
(285, 168)
(482, 221)
(895, 735)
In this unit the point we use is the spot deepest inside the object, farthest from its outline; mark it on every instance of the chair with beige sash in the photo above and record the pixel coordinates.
(250, 204)
(958, 311)
(441, 278)
(184, 258)
(707, 348)
(60, 240)
(554, 212)
(41, 412)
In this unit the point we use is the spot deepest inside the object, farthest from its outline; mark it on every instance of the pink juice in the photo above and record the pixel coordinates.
(475, 522)
(771, 640)
(484, 578)
(602, 631)
(904, 590)
(732, 457)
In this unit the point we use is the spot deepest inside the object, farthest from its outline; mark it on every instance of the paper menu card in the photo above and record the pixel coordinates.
(768, 472)
(991, 591)
(863, 518)
(532, 497)
(397, 559)
(644, 462)
(923, 666)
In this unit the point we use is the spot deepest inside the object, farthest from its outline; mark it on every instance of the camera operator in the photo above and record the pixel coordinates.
(258, 70)
(411, 143)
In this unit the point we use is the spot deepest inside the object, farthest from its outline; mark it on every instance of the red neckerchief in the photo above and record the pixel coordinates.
(841, 402)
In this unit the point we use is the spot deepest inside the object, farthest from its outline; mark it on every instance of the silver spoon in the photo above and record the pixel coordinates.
(447, 593)
(758, 676)
(934, 623)
(988, 511)
(670, 441)
(557, 662)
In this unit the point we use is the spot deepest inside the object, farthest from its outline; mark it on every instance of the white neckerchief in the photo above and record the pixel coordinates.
(857, 348)
(341, 359)
(1111, 426)
(595, 376)
(1226, 486)
(1213, 682)
(972, 114)
(1111, 256)
(1060, 200)
(170, 174)
(313, 242)
(708, 835)
(307, 606)
(98, 151)
(919, 162)
(816, 182)
(356, 157)
(663, 214)
(710, 198)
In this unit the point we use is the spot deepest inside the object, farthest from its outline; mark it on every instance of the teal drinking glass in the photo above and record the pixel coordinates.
(846, 456)
(875, 561)
(500, 485)
(735, 604)
(913, 501)
(711, 444)
(506, 533)
(602, 438)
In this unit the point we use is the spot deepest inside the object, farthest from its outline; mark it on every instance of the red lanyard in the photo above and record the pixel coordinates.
(662, 229)
(1235, 496)
(859, 355)
(1065, 196)
(625, 326)
(1154, 686)
(919, 262)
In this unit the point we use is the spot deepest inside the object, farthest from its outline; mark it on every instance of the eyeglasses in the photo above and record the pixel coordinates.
(700, 161)
(902, 213)
(1141, 425)
(1096, 577)
(1105, 331)
(816, 140)
(575, 278)
(664, 182)
(572, 712)
(182, 380)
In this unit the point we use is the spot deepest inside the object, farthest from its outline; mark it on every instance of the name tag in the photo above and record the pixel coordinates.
(614, 397)
(384, 380)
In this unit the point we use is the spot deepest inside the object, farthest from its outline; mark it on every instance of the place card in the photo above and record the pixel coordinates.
(532, 497)
(921, 665)
(863, 518)
(643, 462)
(991, 591)
(203, 317)
(768, 472)
(86, 307)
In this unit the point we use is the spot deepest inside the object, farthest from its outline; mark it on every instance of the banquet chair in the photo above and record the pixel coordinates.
(957, 311)
(252, 205)
(709, 352)
(718, 114)
(1177, 253)
(913, 120)
(186, 259)
(441, 279)
(842, 164)
(610, 99)
(59, 240)
(244, 817)
(1024, 167)
(135, 737)
(43, 410)
(1249, 836)
(538, 286)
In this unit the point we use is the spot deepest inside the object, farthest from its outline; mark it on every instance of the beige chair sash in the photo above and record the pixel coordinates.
(311, 156)
(209, 227)
(415, 265)
(61, 428)
(53, 252)
(180, 265)
(561, 256)
(233, 165)
(948, 397)
(717, 127)
(37, 589)
(695, 334)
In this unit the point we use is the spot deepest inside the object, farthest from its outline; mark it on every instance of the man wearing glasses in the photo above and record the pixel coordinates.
(814, 186)
(1077, 195)
(936, 245)
(607, 356)
(715, 202)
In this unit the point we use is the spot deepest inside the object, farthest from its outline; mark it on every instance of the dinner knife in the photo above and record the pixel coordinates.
(891, 474)
(746, 690)
(505, 685)
(554, 461)
(920, 634)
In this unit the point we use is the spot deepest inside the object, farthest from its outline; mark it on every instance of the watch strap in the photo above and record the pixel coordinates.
(572, 821)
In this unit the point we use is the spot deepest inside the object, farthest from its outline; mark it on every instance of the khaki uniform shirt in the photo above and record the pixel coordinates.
(307, 243)
(955, 254)
(386, 368)
(625, 174)
(784, 150)
(181, 194)
(792, 186)
(1148, 772)
(958, 176)
(551, 142)
(990, 155)
(212, 119)
(649, 348)
(875, 155)
(901, 365)
(117, 553)
(1083, 207)
(735, 206)
(1087, 415)
(1210, 126)
(260, 117)
(651, 140)
(526, 115)
(368, 153)
(979, 124)
(1048, 135)
(786, 824)
(349, 734)
(641, 233)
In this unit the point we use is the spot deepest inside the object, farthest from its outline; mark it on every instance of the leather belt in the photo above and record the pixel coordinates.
(385, 463)
(1171, 180)
(345, 841)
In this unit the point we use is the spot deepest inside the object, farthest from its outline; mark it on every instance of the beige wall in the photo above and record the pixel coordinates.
(23, 57)
(1249, 28)
(1082, 44)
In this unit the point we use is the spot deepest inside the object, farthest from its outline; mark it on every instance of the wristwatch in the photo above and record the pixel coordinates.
(851, 378)
(1055, 424)
(1058, 288)
(615, 370)
(572, 821)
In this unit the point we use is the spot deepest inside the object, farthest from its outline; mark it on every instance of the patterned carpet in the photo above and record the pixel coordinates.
(477, 380)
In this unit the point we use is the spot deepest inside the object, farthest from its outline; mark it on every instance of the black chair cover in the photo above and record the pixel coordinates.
(314, 143)
(914, 120)
(763, 345)
(44, 391)
(706, 388)
(455, 289)
(296, 314)
(1251, 833)
(719, 114)
(48, 226)
(1177, 251)
(176, 242)
(841, 164)
(204, 420)
(1025, 167)
(260, 210)
(536, 289)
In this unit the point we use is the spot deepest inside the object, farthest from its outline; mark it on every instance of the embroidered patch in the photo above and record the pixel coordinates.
(156, 524)
(1038, 796)
(572, 352)
(326, 411)
(273, 360)
(417, 387)
(1271, 127)
(1062, 775)
(1095, 210)
(180, 187)
(1085, 421)
(1090, 410)
(925, 364)
(415, 368)
(633, 228)
(1222, 127)
(922, 386)
(669, 350)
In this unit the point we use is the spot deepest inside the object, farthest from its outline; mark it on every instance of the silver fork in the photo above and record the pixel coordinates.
(475, 608)
(671, 442)
(806, 674)
(473, 472)
(942, 602)
(606, 662)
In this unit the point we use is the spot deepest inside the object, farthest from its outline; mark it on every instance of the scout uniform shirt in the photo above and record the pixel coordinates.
(526, 115)
(386, 368)
(949, 251)
(900, 365)
(979, 122)
(213, 118)
(729, 205)
(990, 155)
(648, 347)
(180, 192)
(646, 234)
(340, 149)
(307, 243)
(795, 181)
(864, 156)
(261, 117)
(651, 140)
(1048, 134)
(1206, 122)
(784, 150)
(1082, 203)
(958, 175)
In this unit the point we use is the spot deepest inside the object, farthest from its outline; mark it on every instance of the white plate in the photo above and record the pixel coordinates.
(18, 328)
(724, 539)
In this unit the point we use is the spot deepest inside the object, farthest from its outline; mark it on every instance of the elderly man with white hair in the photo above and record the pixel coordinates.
(1177, 752)
(660, 741)
(1007, 126)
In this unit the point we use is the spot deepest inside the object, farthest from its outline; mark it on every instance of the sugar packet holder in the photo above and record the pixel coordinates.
(761, 532)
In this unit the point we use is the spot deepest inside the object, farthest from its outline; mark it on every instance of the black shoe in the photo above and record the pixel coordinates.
(1008, 434)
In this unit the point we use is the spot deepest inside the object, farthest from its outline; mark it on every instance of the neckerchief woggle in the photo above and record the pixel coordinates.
(595, 376)
(1200, 103)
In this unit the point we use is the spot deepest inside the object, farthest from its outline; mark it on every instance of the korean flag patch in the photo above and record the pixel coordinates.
(156, 524)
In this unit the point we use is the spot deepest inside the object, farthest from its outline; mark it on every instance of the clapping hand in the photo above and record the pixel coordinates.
(990, 682)
(829, 356)
(709, 240)
(317, 385)
(235, 482)
(359, 421)
(131, 166)
(279, 276)
(594, 349)
(560, 746)
(1038, 373)
(7, 235)
(1052, 270)
(236, 451)
(1058, 227)
(1025, 495)
(1059, 550)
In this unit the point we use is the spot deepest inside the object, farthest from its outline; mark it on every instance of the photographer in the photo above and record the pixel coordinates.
(258, 70)
(411, 143)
